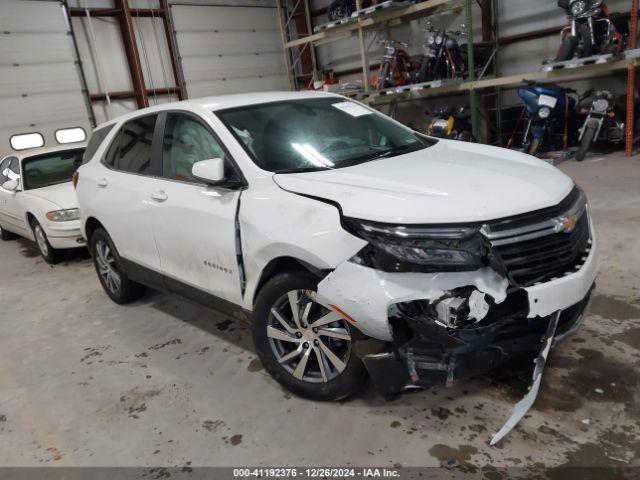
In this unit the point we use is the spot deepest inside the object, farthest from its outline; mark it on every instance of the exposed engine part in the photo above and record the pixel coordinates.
(478, 306)
(452, 312)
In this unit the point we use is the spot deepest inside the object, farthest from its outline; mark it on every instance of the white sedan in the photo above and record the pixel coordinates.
(38, 201)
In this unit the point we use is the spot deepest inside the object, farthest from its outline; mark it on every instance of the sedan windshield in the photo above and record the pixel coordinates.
(51, 168)
(317, 134)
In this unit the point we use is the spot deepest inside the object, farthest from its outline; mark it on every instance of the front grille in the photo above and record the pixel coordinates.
(532, 249)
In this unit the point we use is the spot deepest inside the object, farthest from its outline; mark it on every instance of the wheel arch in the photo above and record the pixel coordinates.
(284, 264)
(90, 226)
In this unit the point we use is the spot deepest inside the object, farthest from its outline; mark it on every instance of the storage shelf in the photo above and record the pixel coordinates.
(587, 71)
(350, 28)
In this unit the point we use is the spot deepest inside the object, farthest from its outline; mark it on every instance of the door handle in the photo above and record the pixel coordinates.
(102, 182)
(159, 196)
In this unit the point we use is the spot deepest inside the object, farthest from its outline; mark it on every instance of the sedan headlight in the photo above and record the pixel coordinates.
(63, 215)
(578, 8)
(544, 112)
(395, 248)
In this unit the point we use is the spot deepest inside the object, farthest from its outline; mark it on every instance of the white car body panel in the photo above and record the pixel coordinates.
(16, 206)
(447, 183)
(298, 216)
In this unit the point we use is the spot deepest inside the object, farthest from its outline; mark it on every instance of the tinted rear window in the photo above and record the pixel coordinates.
(131, 149)
(97, 137)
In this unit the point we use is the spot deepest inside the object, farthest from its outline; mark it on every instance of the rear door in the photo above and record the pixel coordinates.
(194, 226)
(125, 190)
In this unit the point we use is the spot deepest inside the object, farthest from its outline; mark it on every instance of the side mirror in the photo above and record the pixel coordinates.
(209, 171)
(10, 185)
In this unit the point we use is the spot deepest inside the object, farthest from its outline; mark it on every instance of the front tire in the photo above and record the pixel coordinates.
(304, 346)
(115, 282)
(49, 254)
(585, 144)
(535, 146)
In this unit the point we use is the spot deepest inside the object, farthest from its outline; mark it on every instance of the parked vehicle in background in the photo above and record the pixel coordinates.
(357, 246)
(602, 124)
(37, 199)
(397, 68)
(443, 57)
(550, 111)
(592, 30)
(451, 123)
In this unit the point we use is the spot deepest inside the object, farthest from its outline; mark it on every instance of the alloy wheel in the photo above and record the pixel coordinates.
(107, 269)
(41, 239)
(309, 341)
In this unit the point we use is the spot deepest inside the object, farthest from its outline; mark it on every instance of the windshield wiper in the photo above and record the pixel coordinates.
(303, 170)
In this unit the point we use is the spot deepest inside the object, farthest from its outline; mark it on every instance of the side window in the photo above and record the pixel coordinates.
(134, 146)
(4, 170)
(186, 141)
(14, 170)
(97, 137)
(112, 151)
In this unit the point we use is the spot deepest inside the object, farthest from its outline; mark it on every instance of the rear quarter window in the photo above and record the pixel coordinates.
(97, 137)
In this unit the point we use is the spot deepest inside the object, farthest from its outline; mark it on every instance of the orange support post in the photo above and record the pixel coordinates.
(631, 81)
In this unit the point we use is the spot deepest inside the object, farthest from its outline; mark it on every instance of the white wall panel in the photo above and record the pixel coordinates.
(226, 49)
(40, 87)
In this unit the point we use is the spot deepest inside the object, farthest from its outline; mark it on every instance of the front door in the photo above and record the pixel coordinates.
(194, 226)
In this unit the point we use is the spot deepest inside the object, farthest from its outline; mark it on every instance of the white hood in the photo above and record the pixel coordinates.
(63, 195)
(447, 183)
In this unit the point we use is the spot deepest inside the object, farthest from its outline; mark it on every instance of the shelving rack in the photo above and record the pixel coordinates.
(298, 42)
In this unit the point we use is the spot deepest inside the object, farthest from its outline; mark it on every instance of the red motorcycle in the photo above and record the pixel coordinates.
(397, 67)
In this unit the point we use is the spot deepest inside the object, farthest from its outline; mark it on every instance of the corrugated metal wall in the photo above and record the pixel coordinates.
(40, 86)
(229, 49)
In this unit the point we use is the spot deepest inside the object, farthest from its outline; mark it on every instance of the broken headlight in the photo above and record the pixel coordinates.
(394, 248)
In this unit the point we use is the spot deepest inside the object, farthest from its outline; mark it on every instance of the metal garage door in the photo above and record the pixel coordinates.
(40, 87)
(227, 49)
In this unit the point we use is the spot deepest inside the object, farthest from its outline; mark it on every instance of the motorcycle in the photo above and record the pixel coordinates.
(443, 57)
(344, 8)
(550, 108)
(451, 124)
(397, 67)
(592, 30)
(601, 123)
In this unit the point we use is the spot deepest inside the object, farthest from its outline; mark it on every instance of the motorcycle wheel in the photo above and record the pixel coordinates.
(585, 144)
(337, 10)
(425, 75)
(535, 146)
(567, 49)
(383, 76)
(588, 48)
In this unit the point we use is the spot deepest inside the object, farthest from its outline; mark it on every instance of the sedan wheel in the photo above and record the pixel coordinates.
(311, 342)
(50, 254)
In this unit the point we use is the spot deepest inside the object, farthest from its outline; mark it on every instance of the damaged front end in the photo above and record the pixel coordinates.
(454, 301)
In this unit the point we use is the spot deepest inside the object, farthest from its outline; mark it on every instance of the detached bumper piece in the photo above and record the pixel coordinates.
(427, 354)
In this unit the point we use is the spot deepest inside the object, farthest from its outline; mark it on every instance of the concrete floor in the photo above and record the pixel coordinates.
(163, 382)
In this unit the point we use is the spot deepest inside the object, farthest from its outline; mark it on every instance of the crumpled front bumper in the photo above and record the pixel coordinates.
(421, 351)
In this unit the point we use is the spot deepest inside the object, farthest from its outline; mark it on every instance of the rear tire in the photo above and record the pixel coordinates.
(5, 235)
(115, 282)
(49, 254)
(316, 363)
(585, 144)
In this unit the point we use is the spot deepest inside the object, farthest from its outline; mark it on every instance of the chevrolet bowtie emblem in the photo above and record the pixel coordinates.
(566, 224)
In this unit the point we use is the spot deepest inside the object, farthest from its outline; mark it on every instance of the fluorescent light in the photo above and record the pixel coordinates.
(312, 155)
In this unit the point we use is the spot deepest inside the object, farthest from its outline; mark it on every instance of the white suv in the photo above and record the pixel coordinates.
(357, 247)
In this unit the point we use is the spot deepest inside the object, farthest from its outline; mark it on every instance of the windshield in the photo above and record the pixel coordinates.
(316, 134)
(51, 168)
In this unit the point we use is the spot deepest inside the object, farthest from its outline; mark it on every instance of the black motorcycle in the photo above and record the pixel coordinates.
(592, 30)
(443, 57)
(344, 8)
(602, 123)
